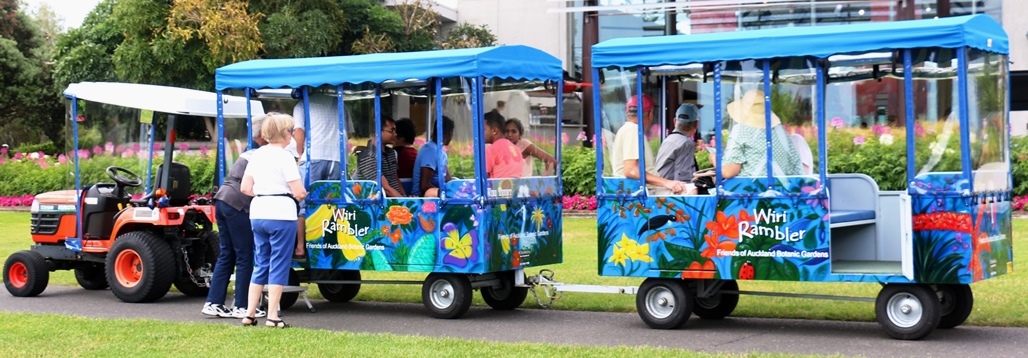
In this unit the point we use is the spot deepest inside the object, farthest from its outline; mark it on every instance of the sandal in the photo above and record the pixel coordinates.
(276, 323)
(253, 321)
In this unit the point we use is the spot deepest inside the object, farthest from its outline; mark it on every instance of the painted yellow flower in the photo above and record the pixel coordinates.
(459, 246)
(315, 219)
(628, 248)
(353, 248)
(503, 207)
(505, 243)
(618, 257)
(640, 252)
(537, 218)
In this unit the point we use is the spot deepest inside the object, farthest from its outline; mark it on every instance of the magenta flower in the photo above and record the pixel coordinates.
(204, 151)
(859, 140)
(3, 151)
(97, 150)
(836, 122)
(581, 136)
(418, 142)
(61, 159)
(18, 156)
(83, 154)
(183, 147)
(918, 129)
(429, 207)
(135, 147)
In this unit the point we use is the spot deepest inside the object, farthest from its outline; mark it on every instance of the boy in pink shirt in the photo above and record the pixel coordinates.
(502, 158)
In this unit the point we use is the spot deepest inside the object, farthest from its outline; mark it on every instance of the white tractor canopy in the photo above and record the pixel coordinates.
(162, 99)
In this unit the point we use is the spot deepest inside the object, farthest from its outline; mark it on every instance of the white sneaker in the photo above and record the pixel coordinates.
(214, 309)
(240, 313)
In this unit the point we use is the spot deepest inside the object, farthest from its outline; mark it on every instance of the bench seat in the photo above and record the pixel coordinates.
(840, 218)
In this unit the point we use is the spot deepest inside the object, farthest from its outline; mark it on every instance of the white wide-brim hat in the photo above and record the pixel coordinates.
(750, 110)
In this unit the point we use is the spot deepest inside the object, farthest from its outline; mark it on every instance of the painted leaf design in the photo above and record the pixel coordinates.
(423, 252)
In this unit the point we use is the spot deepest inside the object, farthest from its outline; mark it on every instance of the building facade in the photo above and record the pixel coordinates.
(556, 27)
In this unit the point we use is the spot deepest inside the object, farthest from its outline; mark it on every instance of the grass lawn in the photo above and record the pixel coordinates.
(998, 301)
(33, 335)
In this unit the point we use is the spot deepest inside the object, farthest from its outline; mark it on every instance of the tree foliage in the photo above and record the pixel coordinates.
(228, 31)
(468, 35)
(25, 80)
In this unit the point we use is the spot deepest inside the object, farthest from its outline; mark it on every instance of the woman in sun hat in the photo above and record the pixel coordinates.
(745, 151)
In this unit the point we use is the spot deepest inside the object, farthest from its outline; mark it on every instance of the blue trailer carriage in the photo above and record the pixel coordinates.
(934, 87)
(480, 233)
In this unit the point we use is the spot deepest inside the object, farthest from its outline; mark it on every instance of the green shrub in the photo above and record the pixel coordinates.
(46, 147)
(578, 170)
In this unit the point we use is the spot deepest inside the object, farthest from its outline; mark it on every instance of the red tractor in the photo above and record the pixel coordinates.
(137, 247)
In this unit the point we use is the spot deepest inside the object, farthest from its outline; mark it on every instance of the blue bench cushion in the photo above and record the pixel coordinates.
(845, 216)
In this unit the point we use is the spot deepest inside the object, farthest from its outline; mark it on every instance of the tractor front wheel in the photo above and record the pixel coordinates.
(26, 274)
(140, 267)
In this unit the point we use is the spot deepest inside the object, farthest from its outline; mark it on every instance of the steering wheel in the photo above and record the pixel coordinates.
(123, 176)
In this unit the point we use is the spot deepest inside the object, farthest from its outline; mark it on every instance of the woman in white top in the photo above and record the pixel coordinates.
(514, 130)
(273, 177)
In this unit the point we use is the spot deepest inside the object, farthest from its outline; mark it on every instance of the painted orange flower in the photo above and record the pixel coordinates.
(516, 259)
(396, 236)
(695, 270)
(357, 189)
(713, 246)
(725, 225)
(399, 215)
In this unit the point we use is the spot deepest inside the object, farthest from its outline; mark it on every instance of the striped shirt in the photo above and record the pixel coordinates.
(366, 161)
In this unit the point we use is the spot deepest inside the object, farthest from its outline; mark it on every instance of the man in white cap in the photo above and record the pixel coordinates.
(676, 158)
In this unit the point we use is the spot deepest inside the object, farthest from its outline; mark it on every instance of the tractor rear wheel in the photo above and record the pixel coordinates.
(91, 277)
(140, 267)
(26, 274)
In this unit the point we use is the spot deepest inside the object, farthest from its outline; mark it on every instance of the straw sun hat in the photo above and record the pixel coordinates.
(750, 110)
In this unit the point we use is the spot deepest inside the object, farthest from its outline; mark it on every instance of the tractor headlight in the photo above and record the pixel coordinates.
(35, 206)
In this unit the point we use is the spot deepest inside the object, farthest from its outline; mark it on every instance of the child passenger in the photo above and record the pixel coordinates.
(502, 158)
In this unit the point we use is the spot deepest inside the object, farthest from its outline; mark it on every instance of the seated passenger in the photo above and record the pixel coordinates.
(367, 161)
(515, 132)
(624, 156)
(502, 158)
(431, 160)
(676, 158)
(745, 152)
(403, 143)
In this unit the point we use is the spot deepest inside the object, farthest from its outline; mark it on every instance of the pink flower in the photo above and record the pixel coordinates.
(183, 147)
(18, 156)
(564, 138)
(466, 150)
(83, 154)
(418, 142)
(799, 130)
(109, 147)
(43, 164)
(97, 150)
(581, 136)
(204, 151)
(429, 207)
(135, 147)
(836, 122)
(3, 150)
(62, 159)
(918, 129)
(859, 140)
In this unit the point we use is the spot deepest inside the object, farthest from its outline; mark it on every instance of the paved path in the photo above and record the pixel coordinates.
(732, 335)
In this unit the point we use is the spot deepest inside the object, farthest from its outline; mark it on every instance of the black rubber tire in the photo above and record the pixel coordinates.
(36, 270)
(91, 277)
(211, 246)
(446, 296)
(719, 305)
(921, 304)
(506, 297)
(955, 304)
(157, 265)
(289, 298)
(341, 293)
(674, 302)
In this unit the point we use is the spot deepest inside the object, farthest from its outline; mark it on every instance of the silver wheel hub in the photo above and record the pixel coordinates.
(904, 310)
(442, 294)
(660, 302)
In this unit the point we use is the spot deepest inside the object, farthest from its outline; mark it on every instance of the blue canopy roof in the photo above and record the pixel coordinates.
(977, 31)
(514, 61)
